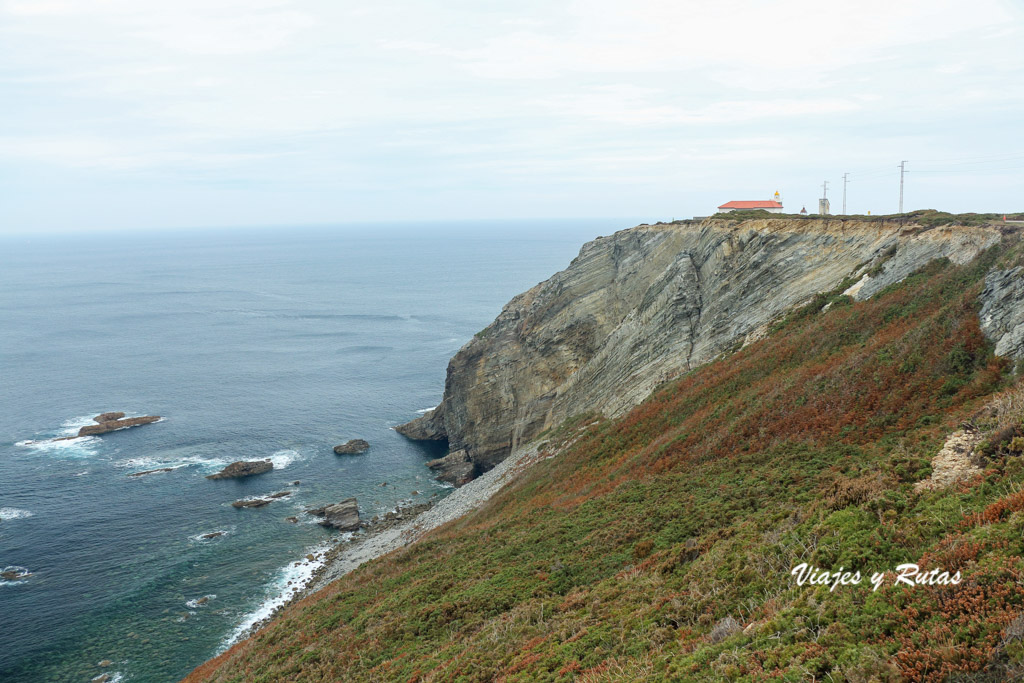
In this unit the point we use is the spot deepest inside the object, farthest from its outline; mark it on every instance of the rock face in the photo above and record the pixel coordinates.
(353, 447)
(1002, 311)
(243, 468)
(107, 417)
(426, 428)
(105, 426)
(343, 516)
(456, 468)
(646, 304)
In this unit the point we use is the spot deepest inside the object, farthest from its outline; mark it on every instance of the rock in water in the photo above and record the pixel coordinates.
(243, 468)
(353, 447)
(17, 573)
(112, 425)
(145, 472)
(455, 468)
(254, 503)
(343, 516)
(108, 417)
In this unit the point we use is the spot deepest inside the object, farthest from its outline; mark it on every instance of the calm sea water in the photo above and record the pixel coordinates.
(251, 344)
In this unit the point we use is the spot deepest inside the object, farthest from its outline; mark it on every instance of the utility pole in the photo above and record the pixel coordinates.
(844, 192)
(824, 190)
(902, 171)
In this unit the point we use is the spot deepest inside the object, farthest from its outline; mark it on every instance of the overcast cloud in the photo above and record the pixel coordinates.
(136, 114)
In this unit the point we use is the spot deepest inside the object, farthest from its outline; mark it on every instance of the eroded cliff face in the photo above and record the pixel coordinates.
(645, 304)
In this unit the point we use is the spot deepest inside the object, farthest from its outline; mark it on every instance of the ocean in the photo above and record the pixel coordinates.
(263, 343)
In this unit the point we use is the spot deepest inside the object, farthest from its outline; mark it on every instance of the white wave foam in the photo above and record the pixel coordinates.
(195, 603)
(283, 458)
(155, 463)
(71, 427)
(421, 411)
(285, 585)
(14, 513)
(81, 447)
(21, 573)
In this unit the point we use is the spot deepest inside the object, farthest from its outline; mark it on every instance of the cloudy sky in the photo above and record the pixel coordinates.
(134, 114)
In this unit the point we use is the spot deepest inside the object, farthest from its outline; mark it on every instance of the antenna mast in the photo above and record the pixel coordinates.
(902, 171)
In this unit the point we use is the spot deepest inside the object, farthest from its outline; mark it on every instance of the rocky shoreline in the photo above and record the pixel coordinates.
(406, 525)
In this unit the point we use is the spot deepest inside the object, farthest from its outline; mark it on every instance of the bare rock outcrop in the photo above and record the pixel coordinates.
(353, 447)
(243, 468)
(251, 503)
(646, 304)
(122, 422)
(425, 428)
(1002, 311)
(953, 462)
(456, 468)
(343, 516)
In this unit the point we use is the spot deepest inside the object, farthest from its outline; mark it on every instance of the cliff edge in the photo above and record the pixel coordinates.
(645, 304)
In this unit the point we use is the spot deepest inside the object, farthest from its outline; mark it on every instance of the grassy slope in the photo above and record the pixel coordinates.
(617, 559)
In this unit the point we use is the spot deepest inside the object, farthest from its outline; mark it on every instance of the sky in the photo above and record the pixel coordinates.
(140, 115)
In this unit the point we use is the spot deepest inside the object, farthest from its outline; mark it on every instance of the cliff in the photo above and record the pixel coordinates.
(646, 304)
(872, 436)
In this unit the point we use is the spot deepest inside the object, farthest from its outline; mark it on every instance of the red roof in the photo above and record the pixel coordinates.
(770, 204)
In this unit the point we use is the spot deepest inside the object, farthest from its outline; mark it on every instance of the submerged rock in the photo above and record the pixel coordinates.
(343, 516)
(212, 534)
(243, 468)
(113, 425)
(145, 472)
(353, 447)
(455, 468)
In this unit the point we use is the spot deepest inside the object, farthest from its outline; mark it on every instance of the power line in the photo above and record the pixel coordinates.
(1004, 156)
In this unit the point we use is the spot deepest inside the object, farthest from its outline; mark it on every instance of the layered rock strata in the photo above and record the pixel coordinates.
(646, 304)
